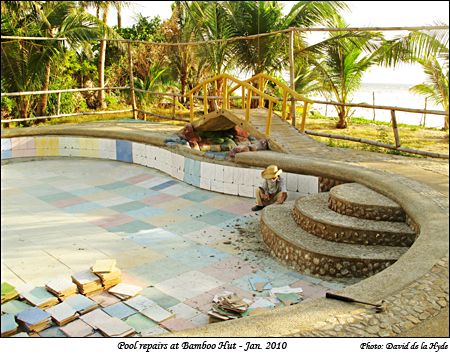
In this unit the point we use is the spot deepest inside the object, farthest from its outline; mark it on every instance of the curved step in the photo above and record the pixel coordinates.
(312, 255)
(313, 215)
(357, 200)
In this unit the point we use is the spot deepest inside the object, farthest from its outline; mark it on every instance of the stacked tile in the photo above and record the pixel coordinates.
(81, 304)
(88, 283)
(62, 288)
(8, 292)
(62, 313)
(228, 306)
(115, 327)
(9, 325)
(109, 274)
(40, 297)
(125, 291)
(34, 319)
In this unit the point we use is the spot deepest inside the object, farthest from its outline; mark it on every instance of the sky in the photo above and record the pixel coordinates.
(362, 13)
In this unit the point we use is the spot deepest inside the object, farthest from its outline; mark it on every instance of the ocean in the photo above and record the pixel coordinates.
(387, 94)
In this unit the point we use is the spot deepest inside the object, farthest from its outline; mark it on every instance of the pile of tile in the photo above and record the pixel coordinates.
(109, 274)
(9, 325)
(228, 306)
(88, 283)
(8, 292)
(62, 287)
(40, 297)
(34, 319)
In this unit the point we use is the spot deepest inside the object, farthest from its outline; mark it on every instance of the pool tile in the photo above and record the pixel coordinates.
(198, 195)
(164, 185)
(119, 310)
(131, 227)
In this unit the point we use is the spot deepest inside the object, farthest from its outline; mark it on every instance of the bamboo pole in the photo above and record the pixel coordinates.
(378, 144)
(373, 102)
(291, 72)
(249, 102)
(250, 37)
(58, 104)
(130, 68)
(395, 129)
(243, 96)
(64, 115)
(225, 95)
(205, 100)
(269, 118)
(28, 93)
(424, 114)
(283, 106)
(261, 88)
(191, 107)
(305, 111)
(174, 106)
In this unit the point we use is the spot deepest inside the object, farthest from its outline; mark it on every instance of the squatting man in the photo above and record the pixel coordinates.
(272, 189)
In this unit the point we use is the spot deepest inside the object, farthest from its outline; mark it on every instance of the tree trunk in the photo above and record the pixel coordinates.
(101, 74)
(42, 107)
(119, 15)
(342, 123)
(445, 123)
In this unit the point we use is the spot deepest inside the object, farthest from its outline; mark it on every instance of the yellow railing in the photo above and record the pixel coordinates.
(226, 91)
(262, 79)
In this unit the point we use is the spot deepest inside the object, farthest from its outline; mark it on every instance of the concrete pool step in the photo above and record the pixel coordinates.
(353, 199)
(312, 255)
(313, 215)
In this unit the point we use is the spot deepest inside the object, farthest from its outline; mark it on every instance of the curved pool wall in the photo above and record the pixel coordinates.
(415, 288)
(211, 176)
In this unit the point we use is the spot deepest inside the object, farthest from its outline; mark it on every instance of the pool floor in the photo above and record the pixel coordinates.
(181, 244)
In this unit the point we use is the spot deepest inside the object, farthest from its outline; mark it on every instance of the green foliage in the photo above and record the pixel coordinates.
(145, 29)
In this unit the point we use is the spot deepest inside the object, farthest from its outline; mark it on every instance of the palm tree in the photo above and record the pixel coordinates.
(102, 10)
(345, 61)
(435, 88)
(62, 19)
(269, 54)
(430, 50)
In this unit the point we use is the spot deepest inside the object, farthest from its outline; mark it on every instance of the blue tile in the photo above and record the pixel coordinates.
(145, 212)
(113, 186)
(119, 310)
(124, 151)
(82, 208)
(162, 299)
(62, 195)
(131, 206)
(164, 185)
(216, 217)
(6, 154)
(186, 227)
(198, 195)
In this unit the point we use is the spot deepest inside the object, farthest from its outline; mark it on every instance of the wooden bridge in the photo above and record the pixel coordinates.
(260, 122)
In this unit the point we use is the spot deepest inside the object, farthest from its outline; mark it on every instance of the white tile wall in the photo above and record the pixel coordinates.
(205, 183)
(246, 190)
(228, 176)
(230, 188)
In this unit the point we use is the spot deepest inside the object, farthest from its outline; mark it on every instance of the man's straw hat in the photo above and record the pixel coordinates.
(271, 172)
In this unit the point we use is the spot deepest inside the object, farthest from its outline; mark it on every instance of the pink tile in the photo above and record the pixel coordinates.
(160, 198)
(113, 220)
(228, 269)
(177, 324)
(238, 208)
(138, 178)
(68, 202)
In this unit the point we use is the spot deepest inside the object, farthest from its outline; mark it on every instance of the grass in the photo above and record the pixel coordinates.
(411, 136)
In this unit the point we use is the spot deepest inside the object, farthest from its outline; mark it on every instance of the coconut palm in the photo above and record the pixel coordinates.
(430, 50)
(345, 62)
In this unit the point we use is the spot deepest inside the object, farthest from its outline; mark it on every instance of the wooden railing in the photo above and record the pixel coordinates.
(247, 94)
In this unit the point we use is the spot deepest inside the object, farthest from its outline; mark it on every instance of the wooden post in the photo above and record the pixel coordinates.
(283, 106)
(305, 111)
(58, 104)
(373, 102)
(425, 115)
(191, 107)
(205, 99)
(261, 88)
(130, 67)
(174, 105)
(269, 119)
(225, 95)
(249, 102)
(395, 129)
(291, 72)
(243, 97)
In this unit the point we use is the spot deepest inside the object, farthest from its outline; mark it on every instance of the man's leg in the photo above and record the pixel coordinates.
(259, 201)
